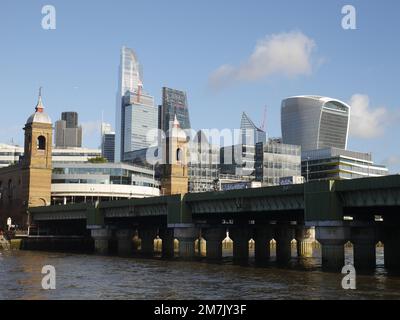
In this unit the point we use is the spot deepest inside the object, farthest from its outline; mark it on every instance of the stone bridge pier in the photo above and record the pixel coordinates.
(186, 235)
(147, 235)
(241, 235)
(102, 238)
(263, 234)
(305, 237)
(332, 235)
(214, 237)
(167, 237)
(364, 239)
(284, 234)
(125, 241)
(391, 241)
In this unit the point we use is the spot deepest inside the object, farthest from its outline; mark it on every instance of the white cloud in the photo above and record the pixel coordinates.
(288, 54)
(366, 122)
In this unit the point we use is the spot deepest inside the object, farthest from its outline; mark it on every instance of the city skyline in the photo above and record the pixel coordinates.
(364, 77)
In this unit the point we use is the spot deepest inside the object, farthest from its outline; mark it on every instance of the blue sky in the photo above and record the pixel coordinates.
(183, 44)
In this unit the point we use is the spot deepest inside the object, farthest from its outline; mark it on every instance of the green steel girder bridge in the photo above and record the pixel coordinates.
(363, 211)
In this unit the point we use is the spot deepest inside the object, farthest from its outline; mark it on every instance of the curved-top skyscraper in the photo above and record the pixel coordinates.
(315, 122)
(129, 80)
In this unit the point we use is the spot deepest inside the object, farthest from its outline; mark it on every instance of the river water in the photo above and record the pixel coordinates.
(103, 277)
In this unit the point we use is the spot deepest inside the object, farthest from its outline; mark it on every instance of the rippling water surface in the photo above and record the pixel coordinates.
(98, 277)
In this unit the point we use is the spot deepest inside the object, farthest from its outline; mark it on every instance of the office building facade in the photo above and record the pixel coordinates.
(88, 182)
(10, 154)
(107, 142)
(68, 134)
(238, 160)
(203, 165)
(275, 161)
(174, 102)
(339, 164)
(315, 122)
(140, 122)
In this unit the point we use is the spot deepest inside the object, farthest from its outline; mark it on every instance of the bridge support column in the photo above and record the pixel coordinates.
(364, 244)
(240, 237)
(332, 236)
(186, 236)
(102, 239)
(214, 237)
(262, 238)
(391, 241)
(147, 235)
(125, 242)
(167, 236)
(284, 234)
(136, 241)
(305, 238)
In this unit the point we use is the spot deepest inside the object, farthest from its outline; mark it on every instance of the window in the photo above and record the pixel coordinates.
(41, 143)
(179, 154)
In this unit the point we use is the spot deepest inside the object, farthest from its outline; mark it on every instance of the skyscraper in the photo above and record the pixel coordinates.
(71, 118)
(315, 122)
(251, 134)
(67, 131)
(174, 102)
(129, 80)
(140, 120)
(107, 142)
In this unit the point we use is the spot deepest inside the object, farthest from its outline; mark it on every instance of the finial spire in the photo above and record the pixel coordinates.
(39, 106)
(176, 123)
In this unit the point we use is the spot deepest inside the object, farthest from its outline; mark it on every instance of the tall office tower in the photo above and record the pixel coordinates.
(67, 132)
(129, 80)
(315, 122)
(71, 118)
(203, 164)
(140, 122)
(250, 133)
(107, 142)
(174, 102)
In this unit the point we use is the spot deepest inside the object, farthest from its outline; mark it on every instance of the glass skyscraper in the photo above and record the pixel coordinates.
(174, 102)
(107, 142)
(251, 134)
(315, 122)
(136, 114)
(140, 120)
(129, 80)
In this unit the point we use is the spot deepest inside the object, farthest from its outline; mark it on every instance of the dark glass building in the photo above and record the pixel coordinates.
(71, 119)
(174, 102)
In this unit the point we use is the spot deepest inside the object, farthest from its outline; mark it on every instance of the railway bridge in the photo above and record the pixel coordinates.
(363, 211)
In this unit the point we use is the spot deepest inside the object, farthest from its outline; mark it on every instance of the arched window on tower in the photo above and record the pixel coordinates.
(41, 143)
(179, 155)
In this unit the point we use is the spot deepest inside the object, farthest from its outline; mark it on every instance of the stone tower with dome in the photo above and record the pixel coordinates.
(28, 183)
(175, 169)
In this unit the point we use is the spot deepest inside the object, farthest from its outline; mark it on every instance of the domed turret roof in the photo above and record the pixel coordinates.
(39, 116)
(176, 130)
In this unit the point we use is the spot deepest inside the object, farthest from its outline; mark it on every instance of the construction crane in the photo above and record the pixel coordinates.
(264, 120)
